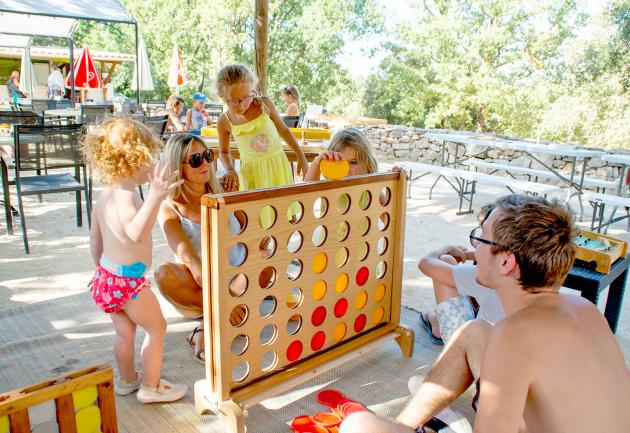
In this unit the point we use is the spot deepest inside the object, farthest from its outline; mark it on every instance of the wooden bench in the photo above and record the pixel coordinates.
(466, 181)
(599, 202)
(538, 173)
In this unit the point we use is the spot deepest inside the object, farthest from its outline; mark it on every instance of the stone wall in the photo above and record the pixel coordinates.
(404, 143)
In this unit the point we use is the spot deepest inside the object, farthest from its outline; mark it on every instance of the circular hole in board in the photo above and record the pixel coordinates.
(269, 361)
(294, 243)
(342, 231)
(363, 251)
(267, 217)
(319, 236)
(294, 269)
(383, 221)
(240, 372)
(239, 314)
(364, 225)
(341, 257)
(238, 285)
(237, 222)
(343, 203)
(268, 334)
(267, 306)
(381, 246)
(295, 212)
(294, 324)
(320, 207)
(267, 277)
(267, 247)
(237, 254)
(381, 270)
(295, 297)
(365, 200)
(384, 196)
(239, 344)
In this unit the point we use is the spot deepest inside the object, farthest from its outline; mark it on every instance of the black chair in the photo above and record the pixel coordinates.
(93, 114)
(25, 106)
(291, 121)
(155, 105)
(157, 124)
(214, 112)
(63, 149)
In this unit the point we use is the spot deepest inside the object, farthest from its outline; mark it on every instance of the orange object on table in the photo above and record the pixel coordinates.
(334, 169)
(327, 419)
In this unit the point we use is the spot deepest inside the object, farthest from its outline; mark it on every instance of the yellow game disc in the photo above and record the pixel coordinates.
(84, 397)
(320, 261)
(360, 300)
(88, 419)
(319, 290)
(378, 315)
(334, 170)
(339, 332)
(341, 283)
(379, 293)
(4, 424)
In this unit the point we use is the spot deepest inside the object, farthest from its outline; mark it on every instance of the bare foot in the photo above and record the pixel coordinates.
(435, 325)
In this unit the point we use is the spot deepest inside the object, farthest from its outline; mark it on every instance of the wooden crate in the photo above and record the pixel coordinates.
(602, 260)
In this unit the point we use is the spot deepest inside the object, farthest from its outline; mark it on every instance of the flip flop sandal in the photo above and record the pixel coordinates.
(427, 326)
(190, 339)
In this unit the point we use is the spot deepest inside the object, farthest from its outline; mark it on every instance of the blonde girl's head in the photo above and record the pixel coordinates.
(291, 90)
(119, 147)
(175, 102)
(355, 148)
(178, 150)
(236, 85)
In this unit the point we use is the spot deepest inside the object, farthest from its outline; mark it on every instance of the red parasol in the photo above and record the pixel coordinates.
(85, 74)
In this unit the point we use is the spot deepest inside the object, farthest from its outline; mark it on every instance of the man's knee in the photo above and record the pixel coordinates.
(360, 422)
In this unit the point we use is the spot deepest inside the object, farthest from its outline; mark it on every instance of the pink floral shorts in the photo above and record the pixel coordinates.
(111, 291)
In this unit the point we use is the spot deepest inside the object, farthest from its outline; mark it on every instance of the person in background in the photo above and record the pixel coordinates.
(196, 117)
(55, 83)
(291, 97)
(13, 85)
(174, 108)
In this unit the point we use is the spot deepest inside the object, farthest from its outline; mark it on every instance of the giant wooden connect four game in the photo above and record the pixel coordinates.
(297, 280)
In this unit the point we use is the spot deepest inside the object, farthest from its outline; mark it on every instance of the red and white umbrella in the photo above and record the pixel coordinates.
(176, 73)
(85, 74)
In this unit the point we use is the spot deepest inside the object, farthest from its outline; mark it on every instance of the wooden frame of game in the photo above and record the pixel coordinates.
(297, 280)
(80, 401)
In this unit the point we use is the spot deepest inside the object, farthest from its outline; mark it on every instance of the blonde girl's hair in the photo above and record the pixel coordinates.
(177, 147)
(118, 147)
(355, 139)
(237, 73)
(293, 91)
(173, 100)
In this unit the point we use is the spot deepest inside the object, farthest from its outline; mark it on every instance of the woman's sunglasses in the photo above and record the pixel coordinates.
(196, 159)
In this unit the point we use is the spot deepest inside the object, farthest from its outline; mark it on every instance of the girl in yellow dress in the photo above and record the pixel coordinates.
(257, 127)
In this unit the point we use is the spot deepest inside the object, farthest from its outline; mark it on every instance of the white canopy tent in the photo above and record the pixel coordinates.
(26, 18)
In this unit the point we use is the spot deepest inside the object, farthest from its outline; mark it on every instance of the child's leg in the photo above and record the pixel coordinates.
(124, 345)
(146, 312)
(442, 293)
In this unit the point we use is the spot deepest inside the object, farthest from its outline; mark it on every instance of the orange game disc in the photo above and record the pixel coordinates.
(327, 419)
(334, 170)
(302, 424)
(329, 397)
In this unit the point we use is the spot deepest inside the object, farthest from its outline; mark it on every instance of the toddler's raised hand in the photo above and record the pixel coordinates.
(162, 182)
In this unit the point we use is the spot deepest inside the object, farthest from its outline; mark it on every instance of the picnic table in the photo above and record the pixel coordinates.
(305, 134)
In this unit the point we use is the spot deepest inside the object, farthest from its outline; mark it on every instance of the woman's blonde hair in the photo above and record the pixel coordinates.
(290, 89)
(177, 147)
(355, 139)
(118, 147)
(235, 74)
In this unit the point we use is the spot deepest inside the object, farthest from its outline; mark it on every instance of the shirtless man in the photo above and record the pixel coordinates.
(552, 365)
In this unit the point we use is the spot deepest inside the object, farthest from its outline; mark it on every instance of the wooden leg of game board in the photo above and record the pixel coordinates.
(232, 416)
(107, 404)
(65, 414)
(205, 401)
(19, 422)
(405, 340)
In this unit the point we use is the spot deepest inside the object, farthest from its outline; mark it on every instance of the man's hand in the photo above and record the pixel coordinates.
(456, 252)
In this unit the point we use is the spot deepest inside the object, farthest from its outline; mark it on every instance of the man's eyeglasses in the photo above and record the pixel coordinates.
(196, 159)
(240, 101)
(476, 239)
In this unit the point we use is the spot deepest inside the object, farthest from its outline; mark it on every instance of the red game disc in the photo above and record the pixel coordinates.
(362, 276)
(302, 423)
(318, 316)
(327, 419)
(294, 350)
(329, 397)
(341, 307)
(359, 323)
(318, 340)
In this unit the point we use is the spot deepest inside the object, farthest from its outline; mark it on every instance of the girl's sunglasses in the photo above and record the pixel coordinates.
(196, 159)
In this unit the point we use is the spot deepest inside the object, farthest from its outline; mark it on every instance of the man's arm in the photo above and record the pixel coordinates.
(437, 269)
(506, 373)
